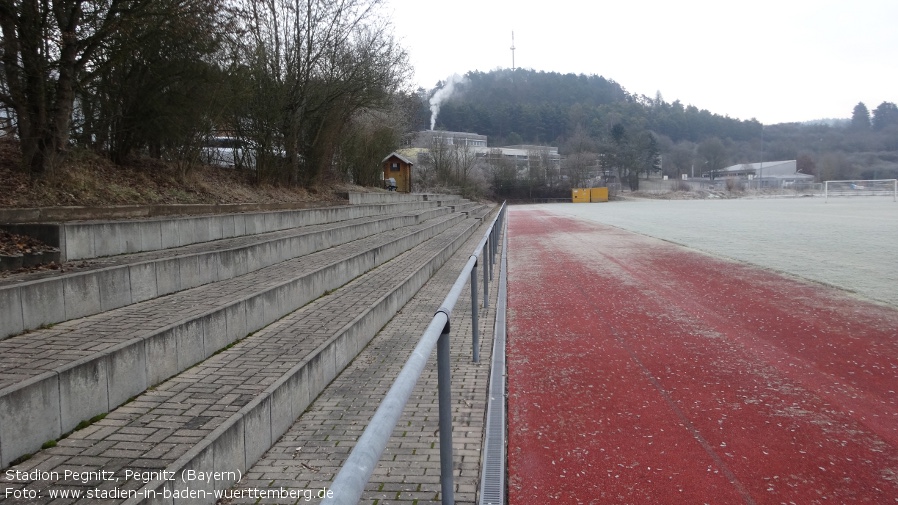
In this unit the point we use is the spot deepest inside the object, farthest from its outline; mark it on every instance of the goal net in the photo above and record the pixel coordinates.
(879, 187)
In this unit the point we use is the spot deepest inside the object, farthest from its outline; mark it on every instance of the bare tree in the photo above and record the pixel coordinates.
(579, 167)
(371, 135)
(48, 46)
(464, 158)
(318, 62)
(551, 166)
(580, 142)
(503, 173)
(714, 154)
(441, 159)
(581, 158)
(681, 159)
(536, 171)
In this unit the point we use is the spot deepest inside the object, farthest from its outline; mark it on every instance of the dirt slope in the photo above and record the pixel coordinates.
(89, 179)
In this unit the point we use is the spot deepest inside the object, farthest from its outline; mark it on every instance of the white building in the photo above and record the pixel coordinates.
(783, 172)
(427, 138)
(519, 154)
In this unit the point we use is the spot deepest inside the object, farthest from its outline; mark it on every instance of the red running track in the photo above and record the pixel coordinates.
(645, 372)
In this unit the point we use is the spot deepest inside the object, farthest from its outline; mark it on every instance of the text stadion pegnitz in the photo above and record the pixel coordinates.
(144, 476)
(97, 487)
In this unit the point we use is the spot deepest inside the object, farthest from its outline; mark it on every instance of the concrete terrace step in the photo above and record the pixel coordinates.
(52, 379)
(107, 212)
(478, 211)
(463, 205)
(94, 239)
(122, 280)
(226, 412)
(386, 197)
(474, 210)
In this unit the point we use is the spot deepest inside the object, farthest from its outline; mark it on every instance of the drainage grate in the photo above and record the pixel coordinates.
(492, 483)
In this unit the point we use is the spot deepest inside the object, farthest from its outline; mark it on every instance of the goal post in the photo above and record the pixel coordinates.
(873, 187)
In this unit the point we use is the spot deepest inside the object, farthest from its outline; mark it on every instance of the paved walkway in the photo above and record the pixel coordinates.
(308, 456)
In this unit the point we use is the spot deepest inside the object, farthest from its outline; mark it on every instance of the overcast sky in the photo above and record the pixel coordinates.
(777, 61)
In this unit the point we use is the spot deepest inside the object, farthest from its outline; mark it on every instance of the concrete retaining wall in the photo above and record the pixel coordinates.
(85, 240)
(462, 206)
(390, 197)
(433, 213)
(81, 213)
(440, 197)
(241, 440)
(45, 407)
(369, 198)
(29, 305)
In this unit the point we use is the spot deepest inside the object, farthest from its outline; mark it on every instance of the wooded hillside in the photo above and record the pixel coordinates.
(578, 113)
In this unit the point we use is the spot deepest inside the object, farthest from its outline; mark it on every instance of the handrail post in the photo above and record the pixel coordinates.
(493, 249)
(444, 380)
(475, 324)
(489, 254)
(486, 279)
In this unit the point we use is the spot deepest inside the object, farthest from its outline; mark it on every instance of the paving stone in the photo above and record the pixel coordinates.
(328, 429)
(220, 386)
(196, 318)
(31, 353)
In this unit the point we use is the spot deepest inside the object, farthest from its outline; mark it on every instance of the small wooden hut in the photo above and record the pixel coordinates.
(398, 167)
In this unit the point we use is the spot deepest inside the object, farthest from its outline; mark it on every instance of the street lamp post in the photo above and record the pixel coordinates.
(761, 169)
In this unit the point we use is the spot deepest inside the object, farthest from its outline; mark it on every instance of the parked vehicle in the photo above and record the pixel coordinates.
(222, 152)
(229, 152)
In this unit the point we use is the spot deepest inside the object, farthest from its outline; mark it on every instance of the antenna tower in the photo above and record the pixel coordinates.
(512, 51)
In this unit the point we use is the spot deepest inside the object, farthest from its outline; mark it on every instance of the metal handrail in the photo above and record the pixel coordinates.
(349, 484)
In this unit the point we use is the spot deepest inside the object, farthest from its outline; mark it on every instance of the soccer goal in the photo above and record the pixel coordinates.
(879, 187)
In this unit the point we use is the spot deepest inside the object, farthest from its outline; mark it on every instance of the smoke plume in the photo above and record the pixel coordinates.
(442, 95)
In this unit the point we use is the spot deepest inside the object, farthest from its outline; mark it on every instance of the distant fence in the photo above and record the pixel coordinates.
(540, 200)
(785, 185)
(661, 186)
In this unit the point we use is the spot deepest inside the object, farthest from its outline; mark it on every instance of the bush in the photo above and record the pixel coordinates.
(735, 185)
(680, 185)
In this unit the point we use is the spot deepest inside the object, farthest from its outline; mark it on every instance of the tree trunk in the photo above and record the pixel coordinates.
(43, 110)
(68, 20)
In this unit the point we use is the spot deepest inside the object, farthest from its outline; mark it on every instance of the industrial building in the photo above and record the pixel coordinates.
(420, 142)
(783, 173)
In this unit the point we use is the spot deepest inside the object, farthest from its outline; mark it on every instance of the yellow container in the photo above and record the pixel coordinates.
(598, 195)
(580, 195)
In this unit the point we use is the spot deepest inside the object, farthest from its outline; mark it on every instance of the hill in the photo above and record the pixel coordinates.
(577, 114)
(546, 107)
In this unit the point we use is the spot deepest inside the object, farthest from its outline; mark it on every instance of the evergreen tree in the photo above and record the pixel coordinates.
(860, 118)
(886, 114)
